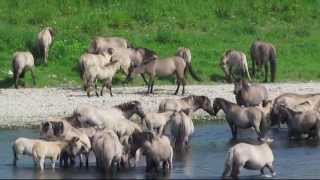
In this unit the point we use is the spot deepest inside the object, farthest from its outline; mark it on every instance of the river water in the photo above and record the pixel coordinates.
(204, 159)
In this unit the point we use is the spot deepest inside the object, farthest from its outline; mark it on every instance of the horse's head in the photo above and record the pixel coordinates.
(138, 139)
(130, 108)
(204, 103)
(76, 146)
(283, 113)
(216, 105)
(46, 130)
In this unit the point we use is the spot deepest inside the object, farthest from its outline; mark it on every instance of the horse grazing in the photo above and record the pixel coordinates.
(248, 156)
(263, 53)
(299, 102)
(192, 102)
(21, 63)
(241, 117)
(307, 122)
(177, 65)
(234, 62)
(250, 95)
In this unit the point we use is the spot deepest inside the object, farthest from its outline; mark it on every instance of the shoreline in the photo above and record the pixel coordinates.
(28, 107)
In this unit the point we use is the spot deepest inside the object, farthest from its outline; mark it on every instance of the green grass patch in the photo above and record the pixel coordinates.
(207, 27)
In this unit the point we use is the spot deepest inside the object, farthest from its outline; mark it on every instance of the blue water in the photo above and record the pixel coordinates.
(204, 159)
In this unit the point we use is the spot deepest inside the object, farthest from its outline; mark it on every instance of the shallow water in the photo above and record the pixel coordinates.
(205, 158)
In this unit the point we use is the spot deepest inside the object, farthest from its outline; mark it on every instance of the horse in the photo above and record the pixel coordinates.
(263, 53)
(241, 117)
(301, 122)
(192, 102)
(234, 62)
(299, 102)
(177, 65)
(248, 156)
(250, 95)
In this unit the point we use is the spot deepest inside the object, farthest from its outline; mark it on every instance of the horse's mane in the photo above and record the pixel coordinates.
(128, 105)
(244, 83)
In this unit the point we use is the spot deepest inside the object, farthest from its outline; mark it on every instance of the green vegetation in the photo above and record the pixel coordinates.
(207, 27)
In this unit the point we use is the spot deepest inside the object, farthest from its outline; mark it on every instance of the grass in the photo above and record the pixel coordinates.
(207, 27)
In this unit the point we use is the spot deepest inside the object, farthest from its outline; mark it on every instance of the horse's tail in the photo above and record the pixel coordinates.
(273, 63)
(192, 73)
(263, 124)
(14, 151)
(318, 128)
(228, 163)
(182, 133)
(245, 65)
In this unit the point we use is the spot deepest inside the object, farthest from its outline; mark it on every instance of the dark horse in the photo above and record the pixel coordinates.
(261, 54)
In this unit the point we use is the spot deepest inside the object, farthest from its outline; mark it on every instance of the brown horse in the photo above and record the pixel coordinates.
(263, 53)
(241, 117)
(177, 65)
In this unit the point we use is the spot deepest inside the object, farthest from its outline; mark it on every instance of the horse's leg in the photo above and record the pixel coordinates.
(235, 170)
(152, 85)
(262, 170)
(16, 77)
(33, 76)
(178, 87)
(253, 68)
(109, 86)
(266, 70)
(96, 88)
(183, 85)
(235, 131)
(144, 78)
(270, 167)
(149, 84)
(257, 129)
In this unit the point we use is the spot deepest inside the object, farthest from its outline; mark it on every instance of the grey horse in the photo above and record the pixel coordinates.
(263, 53)
(299, 122)
(234, 62)
(45, 39)
(177, 65)
(299, 102)
(21, 63)
(241, 117)
(250, 95)
(248, 156)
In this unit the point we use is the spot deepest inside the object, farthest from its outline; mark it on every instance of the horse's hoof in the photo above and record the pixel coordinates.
(274, 174)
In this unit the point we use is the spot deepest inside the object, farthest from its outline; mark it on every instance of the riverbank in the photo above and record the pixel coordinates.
(28, 107)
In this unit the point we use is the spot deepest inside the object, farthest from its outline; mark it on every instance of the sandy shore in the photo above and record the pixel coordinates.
(28, 107)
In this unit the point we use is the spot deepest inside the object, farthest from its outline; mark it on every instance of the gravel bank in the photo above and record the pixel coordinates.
(28, 107)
